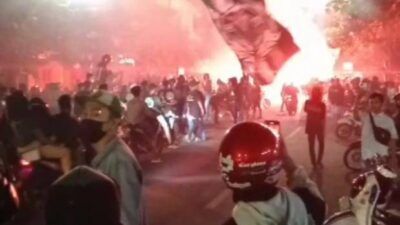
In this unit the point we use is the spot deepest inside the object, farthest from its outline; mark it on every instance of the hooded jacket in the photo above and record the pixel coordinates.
(303, 205)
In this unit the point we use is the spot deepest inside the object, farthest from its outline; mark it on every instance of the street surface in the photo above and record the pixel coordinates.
(186, 188)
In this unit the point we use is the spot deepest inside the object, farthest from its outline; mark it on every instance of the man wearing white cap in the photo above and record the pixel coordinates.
(101, 119)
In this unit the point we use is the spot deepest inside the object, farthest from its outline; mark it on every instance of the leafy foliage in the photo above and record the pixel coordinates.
(366, 30)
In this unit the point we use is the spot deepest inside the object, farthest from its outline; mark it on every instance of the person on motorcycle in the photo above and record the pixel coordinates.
(140, 118)
(251, 158)
(170, 109)
(291, 92)
(372, 119)
(153, 102)
(99, 126)
(30, 123)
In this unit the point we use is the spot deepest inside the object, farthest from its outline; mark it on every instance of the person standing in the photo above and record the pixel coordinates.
(208, 91)
(236, 99)
(99, 126)
(374, 123)
(315, 109)
(256, 95)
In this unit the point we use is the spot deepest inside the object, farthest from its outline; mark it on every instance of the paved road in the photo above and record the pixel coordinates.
(187, 189)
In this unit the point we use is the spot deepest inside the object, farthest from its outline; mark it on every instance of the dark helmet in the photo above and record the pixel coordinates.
(250, 156)
(385, 178)
(136, 90)
(83, 196)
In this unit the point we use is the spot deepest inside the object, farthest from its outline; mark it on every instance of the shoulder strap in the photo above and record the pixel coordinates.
(372, 121)
(315, 206)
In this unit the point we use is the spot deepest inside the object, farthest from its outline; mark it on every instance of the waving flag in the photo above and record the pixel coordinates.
(261, 44)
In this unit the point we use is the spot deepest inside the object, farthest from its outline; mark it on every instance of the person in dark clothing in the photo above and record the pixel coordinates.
(349, 96)
(181, 90)
(103, 73)
(43, 123)
(41, 116)
(66, 127)
(198, 95)
(236, 99)
(245, 88)
(315, 124)
(80, 97)
(256, 100)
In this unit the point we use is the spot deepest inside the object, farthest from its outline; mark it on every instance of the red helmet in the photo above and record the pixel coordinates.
(250, 156)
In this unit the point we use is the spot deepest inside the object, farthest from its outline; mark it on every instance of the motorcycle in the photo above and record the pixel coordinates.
(9, 197)
(369, 204)
(138, 139)
(291, 104)
(23, 185)
(348, 126)
(352, 157)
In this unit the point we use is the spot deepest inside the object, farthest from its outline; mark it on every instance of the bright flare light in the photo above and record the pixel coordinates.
(315, 60)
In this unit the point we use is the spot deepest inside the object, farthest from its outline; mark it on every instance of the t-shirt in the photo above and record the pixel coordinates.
(369, 145)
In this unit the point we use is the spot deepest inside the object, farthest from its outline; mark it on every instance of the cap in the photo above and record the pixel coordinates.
(109, 100)
(83, 196)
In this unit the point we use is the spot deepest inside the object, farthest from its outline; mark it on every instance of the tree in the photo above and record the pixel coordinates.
(366, 32)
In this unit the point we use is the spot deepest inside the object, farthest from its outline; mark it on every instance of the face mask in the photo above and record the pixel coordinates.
(91, 130)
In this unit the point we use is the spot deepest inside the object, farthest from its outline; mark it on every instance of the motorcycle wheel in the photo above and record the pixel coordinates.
(344, 131)
(352, 158)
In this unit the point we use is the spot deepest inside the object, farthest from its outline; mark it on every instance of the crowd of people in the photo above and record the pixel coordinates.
(84, 128)
(87, 127)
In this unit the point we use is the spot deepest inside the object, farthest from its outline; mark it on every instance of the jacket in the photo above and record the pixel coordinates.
(121, 165)
(303, 205)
